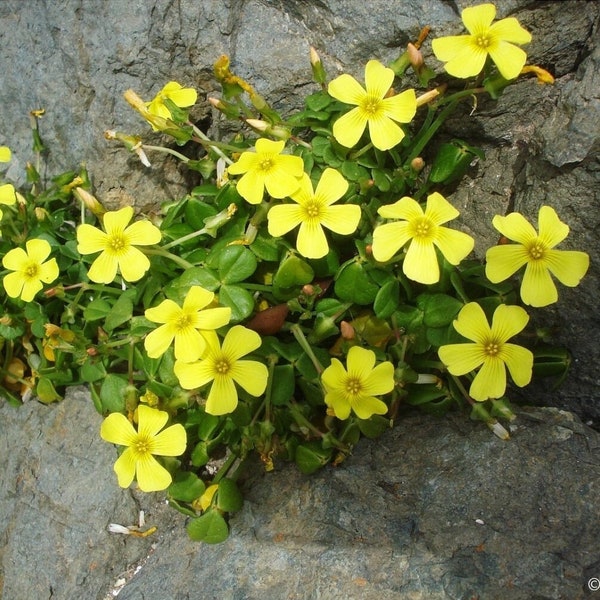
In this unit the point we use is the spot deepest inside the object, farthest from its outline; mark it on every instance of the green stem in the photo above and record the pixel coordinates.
(301, 339)
(176, 259)
(225, 468)
(178, 155)
(360, 152)
(185, 238)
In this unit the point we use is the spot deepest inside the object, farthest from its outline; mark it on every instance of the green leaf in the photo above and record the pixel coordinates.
(310, 457)
(97, 309)
(354, 284)
(239, 300)
(112, 393)
(236, 263)
(438, 309)
(91, 372)
(210, 528)
(318, 100)
(266, 248)
(292, 272)
(45, 391)
(121, 312)
(229, 497)
(387, 299)
(353, 171)
(283, 385)
(186, 487)
(202, 276)
(374, 427)
(200, 455)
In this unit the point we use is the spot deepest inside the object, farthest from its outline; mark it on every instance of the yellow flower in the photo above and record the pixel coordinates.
(267, 168)
(465, 55)
(222, 366)
(137, 460)
(313, 211)
(356, 388)
(117, 246)
(184, 324)
(538, 253)
(425, 232)
(177, 94)
(489, 349)
(373, 108)
(8, 195)
(5, 154)
(29, 268)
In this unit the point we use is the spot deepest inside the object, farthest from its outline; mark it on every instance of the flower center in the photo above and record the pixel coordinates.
(266, 164)
(142, 445)
(537, 250)
(353, 386)
(222, 366)
(312, 210)
(483, 41)
(183, 322)
(422, 227)
(372, 106)
(492, 347)
(117, 243)
(32, 271)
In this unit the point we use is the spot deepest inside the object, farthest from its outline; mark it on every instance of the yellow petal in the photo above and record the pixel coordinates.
(510, 30)
(519, 361)
(331, 187)
(380, 380)
(401, 107)
(463, 58)
(360, 362)
(388, 239)
(250, 375)
(212, 318)
(7, 194)
(279, 182)
(334, 375)
(183, 97)
(194, 375)
(508, 58)
(472, 323)
(490, 382)
(142, 233)
(5, 154)
(117, 429)
(439, 210)
(341, 219)
(251, 186)
(15, 259)
(103, 269)
(346, 89)
(568, 266)
(125, 468)
(13, 284)
(378, 79)
(49, 271)
(505, 260)
(197, 298)
(133, 264)
(537, 287)
(348, 129)
(552, 229)
(152, 476)
(265, 146)
(189, 345)
(90, 239)
(283, 218)
(477, 19)
(454, 245)
(461, 359)
(116, 221)
(515, 227)
(172, 441)
(339, 403)
(222, 398)
(405, 208)
(311, 242)
(246, 162)
(384, 133)
(150, 420)
(38, 250)
(30, 288)
(507, 322)
(366, 406)
(157, 342)
(240, 341)
(421, 263)
(166, 312)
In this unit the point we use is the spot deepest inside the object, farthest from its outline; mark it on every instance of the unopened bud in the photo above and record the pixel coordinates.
(415, 56)
(308, 289)
(318, 71)
(276, 131)
(417, 164)
(347, 330)
(135, 102)
(89, 201)
(431, 95)
(41, 214)
(543, 76)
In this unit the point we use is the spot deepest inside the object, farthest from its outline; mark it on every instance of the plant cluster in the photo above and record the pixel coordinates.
(310, 288)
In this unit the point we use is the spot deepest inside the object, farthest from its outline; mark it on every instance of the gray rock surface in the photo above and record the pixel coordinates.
(435, 509)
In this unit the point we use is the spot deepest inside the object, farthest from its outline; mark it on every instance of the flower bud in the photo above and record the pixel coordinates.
(276, 131)
(317, 67)
(415, 57)
(417, 164)
(89, 201)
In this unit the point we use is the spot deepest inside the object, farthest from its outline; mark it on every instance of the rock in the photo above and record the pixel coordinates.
(433, 509)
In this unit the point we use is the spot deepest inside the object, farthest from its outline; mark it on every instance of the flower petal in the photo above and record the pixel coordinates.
(142, 233)
(5, 154)
(507, 322)
(519, 361)
(341, 219)
(90, 239)
(212, 318)
(30, 288)
(490, 382)
(505, 260)
(311, 241)
(401, 107)
(246, 162)
(515, 227)
(251, 186)
(157, 342)
(240, 341)
(537, 287)
(15, 259)
(388, 239)
(348, 129)
(150, 420)
(421, 262)
(510, 30)
(405, 208)
(331, 187)
(189, 345)
(360, 362)
(384, 133)
(346, 89)
(472, 323)
(166, 312)
(194, 375)
(279, 182)
(222, 398)
(454, 245)
(133, 264)
(49, 271)
(509, 59)
(124, 467)
(13, 284)
(283, 218)
(250, 375)
(478, 18)
(117, 220)
(171, 441)
(338, 401)
(183, 97)
(366, 406)
(197, 298)
(461, 359)
(151, 475)
(117, 429)
(378, 79)
(8, 195)
(380, 380)
(552, 229)
(439, 210)
(568, 266)
(265, 146)
(334, 375)
(464, 58)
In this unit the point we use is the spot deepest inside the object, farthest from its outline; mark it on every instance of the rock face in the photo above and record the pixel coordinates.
(435, 509)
